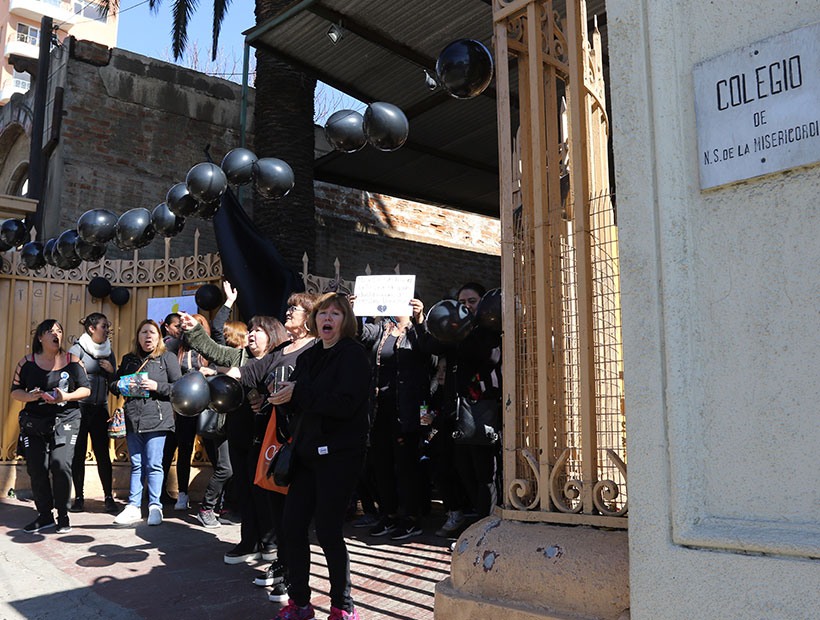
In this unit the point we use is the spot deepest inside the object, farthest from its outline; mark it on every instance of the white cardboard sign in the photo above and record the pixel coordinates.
(757, 108)
(384, 295)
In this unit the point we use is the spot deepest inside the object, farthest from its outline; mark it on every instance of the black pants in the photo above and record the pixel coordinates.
(219, 454)
(256, 530)
(443, 468)
(476, 468)
(276, 506)
(398, 475)
(94, 422)
(53, 456)
(320, 491)
(182, 442)
(367, 489)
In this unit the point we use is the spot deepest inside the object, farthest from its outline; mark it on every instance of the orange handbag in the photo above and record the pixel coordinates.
(270, 446)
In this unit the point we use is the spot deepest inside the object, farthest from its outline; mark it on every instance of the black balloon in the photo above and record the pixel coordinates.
(180, 201)
(190, 394)
(465, 68)
(97, 226)
(207, 210)
(13, 232)
(134, 229)
(345, 131)
(120, 295)
(488, 313)
(449, 321)
(32, 255)
(206, 182)
(67, 245)
(89, 251)
(208, 297)
(4, 247)
(166, 222)
(100, 287)
(272, 177)
(66, 262)
(238, 166)
(48, 251)
(385, 126)
(226, 393)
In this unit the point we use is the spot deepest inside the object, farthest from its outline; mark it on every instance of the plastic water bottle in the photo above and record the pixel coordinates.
(62, 385)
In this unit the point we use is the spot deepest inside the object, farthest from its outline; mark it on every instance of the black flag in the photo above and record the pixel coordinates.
(252, 264)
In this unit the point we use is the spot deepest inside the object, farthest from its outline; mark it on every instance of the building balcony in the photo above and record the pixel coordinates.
(22, 45)
(36, 9)
(11, 86)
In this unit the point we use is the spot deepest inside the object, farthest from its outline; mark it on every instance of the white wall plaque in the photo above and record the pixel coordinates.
(758, 108)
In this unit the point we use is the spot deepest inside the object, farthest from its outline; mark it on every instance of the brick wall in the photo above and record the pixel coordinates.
(132, 128)
(443, 247)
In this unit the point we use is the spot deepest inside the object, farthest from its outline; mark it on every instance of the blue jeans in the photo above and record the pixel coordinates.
(145, 450)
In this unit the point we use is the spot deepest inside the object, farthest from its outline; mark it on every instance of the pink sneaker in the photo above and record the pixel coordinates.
(338, 614)
(292, 612)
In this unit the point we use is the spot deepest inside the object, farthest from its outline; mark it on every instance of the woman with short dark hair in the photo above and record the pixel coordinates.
(51, 383)
(93, 349)
(327, 398)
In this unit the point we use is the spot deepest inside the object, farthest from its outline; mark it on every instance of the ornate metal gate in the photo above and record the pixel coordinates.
(564, 441)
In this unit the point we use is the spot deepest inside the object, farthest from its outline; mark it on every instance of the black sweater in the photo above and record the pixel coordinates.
(331, 400)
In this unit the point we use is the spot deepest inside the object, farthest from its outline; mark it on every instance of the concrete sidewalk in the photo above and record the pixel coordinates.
(175, 570)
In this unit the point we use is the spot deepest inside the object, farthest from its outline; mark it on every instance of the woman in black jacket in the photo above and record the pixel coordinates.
(148, 417)
(400, 352)
(93, 349)
(327, 397)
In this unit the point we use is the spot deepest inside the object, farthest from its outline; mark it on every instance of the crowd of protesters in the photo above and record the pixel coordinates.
(366, 407)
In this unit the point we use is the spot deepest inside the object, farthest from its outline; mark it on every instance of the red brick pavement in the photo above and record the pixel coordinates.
(176, 570)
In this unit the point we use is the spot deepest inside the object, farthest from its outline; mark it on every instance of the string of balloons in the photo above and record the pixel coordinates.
(464, 69)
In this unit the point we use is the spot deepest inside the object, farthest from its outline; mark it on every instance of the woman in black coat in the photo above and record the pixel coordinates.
(400, 353)
(148, 417)
(327, 398)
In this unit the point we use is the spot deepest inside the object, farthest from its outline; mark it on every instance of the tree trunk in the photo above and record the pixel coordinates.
(283, 128)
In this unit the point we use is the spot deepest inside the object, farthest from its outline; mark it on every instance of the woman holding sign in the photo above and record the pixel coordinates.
(400, 352)
(144, 378)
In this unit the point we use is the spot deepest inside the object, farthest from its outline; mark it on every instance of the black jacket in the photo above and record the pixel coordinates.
(413, 366)
(97, 378)
(143, 415)
(331, 401)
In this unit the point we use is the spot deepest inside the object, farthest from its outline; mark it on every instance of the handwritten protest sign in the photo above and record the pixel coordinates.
(384, 295)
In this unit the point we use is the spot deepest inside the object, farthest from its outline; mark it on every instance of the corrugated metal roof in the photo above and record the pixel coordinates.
(451, 153)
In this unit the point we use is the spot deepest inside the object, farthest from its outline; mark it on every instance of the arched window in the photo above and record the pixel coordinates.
(18, 184)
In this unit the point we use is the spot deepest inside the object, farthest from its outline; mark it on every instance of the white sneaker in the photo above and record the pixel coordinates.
(455, 520)
(130, 514)
(154, 515)
(182, 502)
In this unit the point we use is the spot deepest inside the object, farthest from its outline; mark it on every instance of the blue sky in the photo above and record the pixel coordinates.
(149, 34)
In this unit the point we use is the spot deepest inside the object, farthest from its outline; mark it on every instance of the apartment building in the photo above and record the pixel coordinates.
(20, 29)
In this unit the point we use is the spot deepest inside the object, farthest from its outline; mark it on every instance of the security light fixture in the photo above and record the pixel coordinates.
(334, 33)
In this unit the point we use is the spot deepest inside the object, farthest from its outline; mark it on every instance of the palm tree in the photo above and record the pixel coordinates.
(282, 127)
